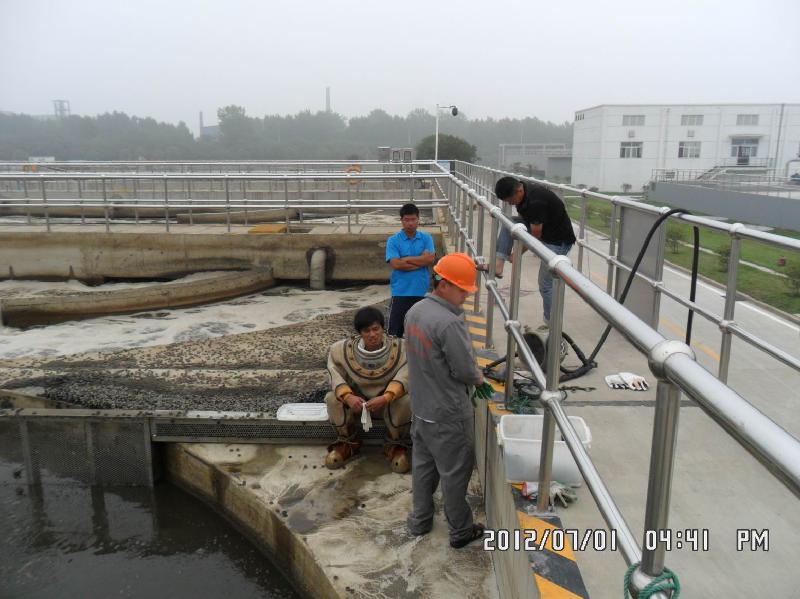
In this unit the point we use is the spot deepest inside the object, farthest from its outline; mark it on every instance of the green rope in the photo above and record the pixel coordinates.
(520, 404)
(668, 581)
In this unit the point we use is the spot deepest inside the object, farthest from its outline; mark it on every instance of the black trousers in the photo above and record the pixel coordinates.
(397, 312)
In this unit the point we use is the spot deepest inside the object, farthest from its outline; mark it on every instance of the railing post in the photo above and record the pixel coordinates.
(105, 202)
(80, 197)
(553, 374)
(470, 193)
(612, 248)
(227, 203)
(463, 218)
(479, 247)
(582, 233)
(451, 200)
(730, 303)
(348, 206)
(286, 203)
(511, 347)
(491, 277)
(244, 200)
(27, 200)
(46, 208)
(662, 459)
(190, 194)
(166, 203)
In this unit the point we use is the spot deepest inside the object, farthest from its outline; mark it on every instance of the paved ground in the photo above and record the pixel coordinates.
(717, 485)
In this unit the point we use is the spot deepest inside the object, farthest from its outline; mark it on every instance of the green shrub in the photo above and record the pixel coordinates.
(793, 278)
(724, 257)
(676, 235)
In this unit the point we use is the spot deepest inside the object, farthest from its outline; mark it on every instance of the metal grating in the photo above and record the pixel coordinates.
(58, 451)
(12, 460)
(121, 452)
(254, 431)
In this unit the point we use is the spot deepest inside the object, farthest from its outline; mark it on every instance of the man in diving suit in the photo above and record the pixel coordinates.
(368, 372)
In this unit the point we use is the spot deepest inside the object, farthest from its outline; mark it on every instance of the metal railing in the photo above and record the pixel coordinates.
(212, 166)
(672, 363)
(737, 232)
(102, 194)
(719, 178)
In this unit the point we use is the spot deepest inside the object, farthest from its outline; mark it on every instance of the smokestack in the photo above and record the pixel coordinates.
(200, 133)
(328, 99)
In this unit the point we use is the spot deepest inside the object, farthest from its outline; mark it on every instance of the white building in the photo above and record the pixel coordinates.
(618, 144)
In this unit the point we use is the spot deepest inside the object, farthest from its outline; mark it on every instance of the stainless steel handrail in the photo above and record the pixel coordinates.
(736, 232)
(673, 364)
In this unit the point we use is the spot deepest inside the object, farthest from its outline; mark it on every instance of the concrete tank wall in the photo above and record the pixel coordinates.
(758, 209)
(92, 256)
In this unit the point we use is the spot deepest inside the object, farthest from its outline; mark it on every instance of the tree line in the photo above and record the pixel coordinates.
(305, 135)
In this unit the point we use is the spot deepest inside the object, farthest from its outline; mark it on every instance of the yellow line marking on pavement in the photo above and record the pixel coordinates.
(550, 590)
(480, 332)
(527, 522)
(478, 344)
(476, 318)
(678, 330)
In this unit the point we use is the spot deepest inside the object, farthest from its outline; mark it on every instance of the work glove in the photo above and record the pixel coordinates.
(366, 420)
(615, 382)
(559, 493)
(483, 391)
(634, 381)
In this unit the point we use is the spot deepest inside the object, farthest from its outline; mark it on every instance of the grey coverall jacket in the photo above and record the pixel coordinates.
(442, 371)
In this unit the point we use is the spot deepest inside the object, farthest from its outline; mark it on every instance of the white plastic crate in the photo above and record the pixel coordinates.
(521, 439)
(305, 412)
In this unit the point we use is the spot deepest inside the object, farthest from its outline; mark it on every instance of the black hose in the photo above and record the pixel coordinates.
(635, 267)
(589, 363)
(693, 287)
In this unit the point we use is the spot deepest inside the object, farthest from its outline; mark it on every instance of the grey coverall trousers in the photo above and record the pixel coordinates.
(442, 452)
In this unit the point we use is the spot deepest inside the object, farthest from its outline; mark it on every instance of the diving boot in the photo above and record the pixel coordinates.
(341, 452)
(399, 459)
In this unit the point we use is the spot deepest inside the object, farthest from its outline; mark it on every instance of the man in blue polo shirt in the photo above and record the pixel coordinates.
(410, 253)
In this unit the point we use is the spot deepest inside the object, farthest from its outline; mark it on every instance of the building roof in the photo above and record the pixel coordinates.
(691, 104)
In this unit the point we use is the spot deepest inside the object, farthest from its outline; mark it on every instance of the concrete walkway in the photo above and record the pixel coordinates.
(337, 533)
(717, 485)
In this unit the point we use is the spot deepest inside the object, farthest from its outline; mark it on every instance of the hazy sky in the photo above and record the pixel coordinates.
(169, 59)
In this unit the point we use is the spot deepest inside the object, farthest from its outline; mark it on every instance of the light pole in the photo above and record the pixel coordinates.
(454, 112)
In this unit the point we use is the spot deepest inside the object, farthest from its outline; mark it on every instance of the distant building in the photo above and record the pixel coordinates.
(614, 145)
(548, 160)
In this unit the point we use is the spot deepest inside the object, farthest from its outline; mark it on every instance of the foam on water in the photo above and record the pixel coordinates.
(272, 308)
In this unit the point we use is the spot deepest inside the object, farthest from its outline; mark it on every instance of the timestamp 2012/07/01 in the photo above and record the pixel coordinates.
(554, 539)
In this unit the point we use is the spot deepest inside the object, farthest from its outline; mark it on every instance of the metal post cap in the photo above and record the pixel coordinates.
(659, 355)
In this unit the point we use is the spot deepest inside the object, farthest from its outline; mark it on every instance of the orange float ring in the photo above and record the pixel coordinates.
(353, 168)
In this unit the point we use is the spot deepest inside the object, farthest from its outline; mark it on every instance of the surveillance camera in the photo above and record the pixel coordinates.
(454, 111)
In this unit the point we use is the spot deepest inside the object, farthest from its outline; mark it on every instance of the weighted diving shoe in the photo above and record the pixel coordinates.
(399, 459)
(342, 452)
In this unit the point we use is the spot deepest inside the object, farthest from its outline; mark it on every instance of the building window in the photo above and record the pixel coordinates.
(630, 149)
(632, 120)
(691, 120)
(579, 117)
(747, 119)
(689, 149)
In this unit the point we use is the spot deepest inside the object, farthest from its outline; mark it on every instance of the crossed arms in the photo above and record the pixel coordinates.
(413, 262)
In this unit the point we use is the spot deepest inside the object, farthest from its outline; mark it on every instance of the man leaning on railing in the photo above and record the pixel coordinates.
(545, 216)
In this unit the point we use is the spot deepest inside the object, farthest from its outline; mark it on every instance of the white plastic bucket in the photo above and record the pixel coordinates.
(521, 439)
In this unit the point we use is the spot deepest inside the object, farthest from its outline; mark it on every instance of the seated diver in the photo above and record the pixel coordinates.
(368, 372)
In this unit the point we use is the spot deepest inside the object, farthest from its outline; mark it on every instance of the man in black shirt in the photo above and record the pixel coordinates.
(543, 212)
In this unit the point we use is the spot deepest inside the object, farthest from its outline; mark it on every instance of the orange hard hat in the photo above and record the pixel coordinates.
(459, 269)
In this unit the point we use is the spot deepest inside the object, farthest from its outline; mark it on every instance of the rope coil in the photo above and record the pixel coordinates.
(667, 582)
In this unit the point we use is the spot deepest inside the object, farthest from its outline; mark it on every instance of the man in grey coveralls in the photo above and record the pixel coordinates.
(442, 371)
